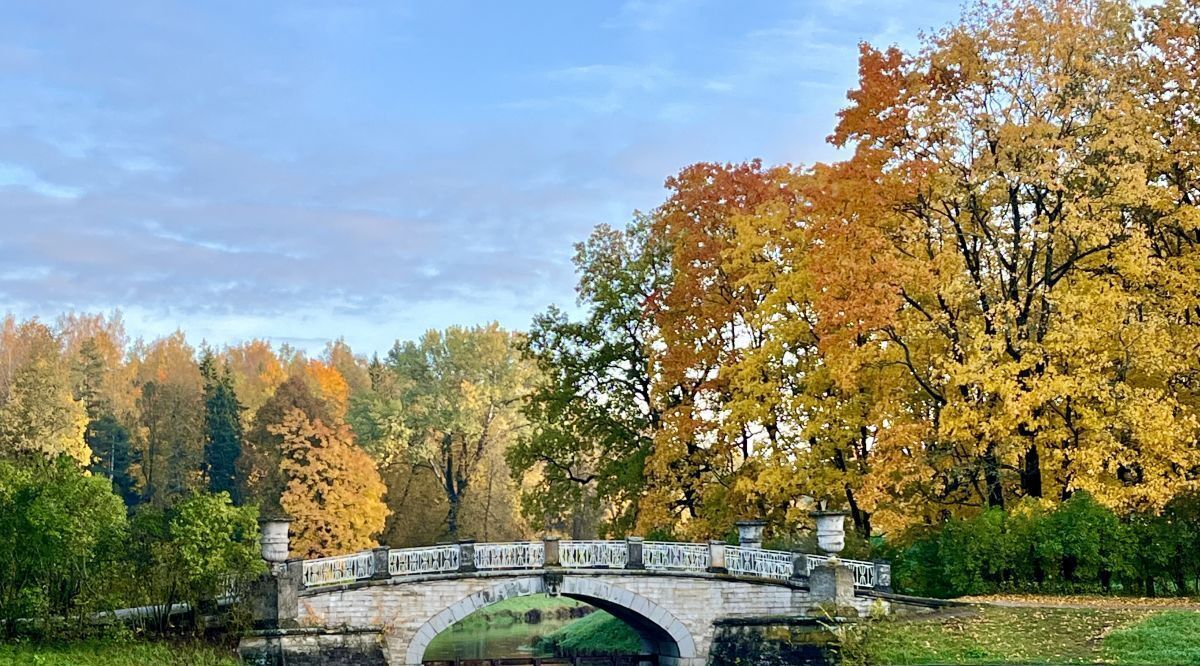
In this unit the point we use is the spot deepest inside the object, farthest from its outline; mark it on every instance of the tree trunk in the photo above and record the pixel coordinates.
(991, 476)
(1031, 473)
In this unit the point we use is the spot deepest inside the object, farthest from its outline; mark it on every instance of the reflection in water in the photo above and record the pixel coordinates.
(503, 637)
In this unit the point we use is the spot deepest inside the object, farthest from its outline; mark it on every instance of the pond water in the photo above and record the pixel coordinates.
(502, 637)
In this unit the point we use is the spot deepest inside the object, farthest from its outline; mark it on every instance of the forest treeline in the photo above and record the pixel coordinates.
(992, 302)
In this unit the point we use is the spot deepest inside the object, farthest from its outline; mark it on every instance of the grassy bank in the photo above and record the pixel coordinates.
(1022, 635)
(596, 634)
(115, 653)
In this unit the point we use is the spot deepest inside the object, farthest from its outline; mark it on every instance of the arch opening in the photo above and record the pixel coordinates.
(661, 634)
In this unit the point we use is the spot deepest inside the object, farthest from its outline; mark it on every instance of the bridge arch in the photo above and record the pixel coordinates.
(661, 631)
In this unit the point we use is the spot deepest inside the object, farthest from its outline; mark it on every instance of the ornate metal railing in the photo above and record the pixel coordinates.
(673, 556)
(586, 554)
(776, 564)
(342, 569)
(515, 555)
(431, 559)
(864, 572)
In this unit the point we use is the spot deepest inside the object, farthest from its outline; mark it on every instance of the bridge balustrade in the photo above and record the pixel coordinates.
(430, 559)
(864, 572)
(593, 554)
(581, 554)
(777, 564)
(675, 556)
(514, 555)
(342, 569)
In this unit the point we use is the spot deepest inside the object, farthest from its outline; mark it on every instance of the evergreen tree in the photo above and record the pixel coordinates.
(111, 455)
(222, 428)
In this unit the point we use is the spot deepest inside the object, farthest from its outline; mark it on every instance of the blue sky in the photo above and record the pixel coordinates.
(300, 171)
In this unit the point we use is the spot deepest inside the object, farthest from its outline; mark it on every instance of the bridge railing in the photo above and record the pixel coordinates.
(777, 564)
(593, 554)
(582, 554)
(430, 559)
(513, 555)
(341, 569)
(676, 556)
(864, 572)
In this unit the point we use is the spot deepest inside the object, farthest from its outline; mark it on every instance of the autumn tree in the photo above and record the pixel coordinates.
(592, 413)
(169, 447)
(462, 391)
(39, 414)
(333, 492)
(260, 464)
(1024, 248)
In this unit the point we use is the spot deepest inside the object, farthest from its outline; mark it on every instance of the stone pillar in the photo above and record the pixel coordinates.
(382, 570)
(466, 555)
(883, 576)
(633, 549)
(716, 557)
(750, 533)
(550, 544)
(832, 584)
(276, 597)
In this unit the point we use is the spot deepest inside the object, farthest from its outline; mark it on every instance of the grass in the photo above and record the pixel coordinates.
(114, 653)
(596, 634)
(992, 635)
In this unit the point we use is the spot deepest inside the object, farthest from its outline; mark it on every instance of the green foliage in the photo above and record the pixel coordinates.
(195, 551)
(597, 633)
(223, 429)
(592, 415)
(112, 455)
(60, 529)
(1077, 546)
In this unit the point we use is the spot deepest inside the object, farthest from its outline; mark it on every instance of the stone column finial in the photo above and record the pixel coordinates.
(274, 539)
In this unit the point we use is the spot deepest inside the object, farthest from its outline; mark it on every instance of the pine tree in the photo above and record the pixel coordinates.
(222, 428)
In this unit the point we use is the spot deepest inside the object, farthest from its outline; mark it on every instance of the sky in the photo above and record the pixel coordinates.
(301, 171)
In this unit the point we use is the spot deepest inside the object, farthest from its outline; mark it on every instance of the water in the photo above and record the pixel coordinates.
(503, 637)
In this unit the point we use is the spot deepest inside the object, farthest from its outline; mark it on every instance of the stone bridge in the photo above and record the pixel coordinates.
(672, 594)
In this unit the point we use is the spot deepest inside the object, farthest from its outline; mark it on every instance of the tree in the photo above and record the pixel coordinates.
(198, 550)
(223, 429)
(462, 389)
(169, 447)
(1032, 261)
(257, 372)
(58, 525)
(40, 415)
(333, 492)
(112, 455)
(592, 414)
(261, 461)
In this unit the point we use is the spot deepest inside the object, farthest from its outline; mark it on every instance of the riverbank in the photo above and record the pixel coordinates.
(598, 633)
(112, 652)
(1032, 631)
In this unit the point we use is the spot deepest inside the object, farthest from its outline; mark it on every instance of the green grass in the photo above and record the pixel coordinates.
(596, 634)
(1169, 637)
(1036, 636)
(114, 653)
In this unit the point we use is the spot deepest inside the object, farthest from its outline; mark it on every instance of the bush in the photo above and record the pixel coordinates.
(1077, 546)
(62, 531)
(200, 550)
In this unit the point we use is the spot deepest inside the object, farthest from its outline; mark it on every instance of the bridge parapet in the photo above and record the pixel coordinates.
(714, 557)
